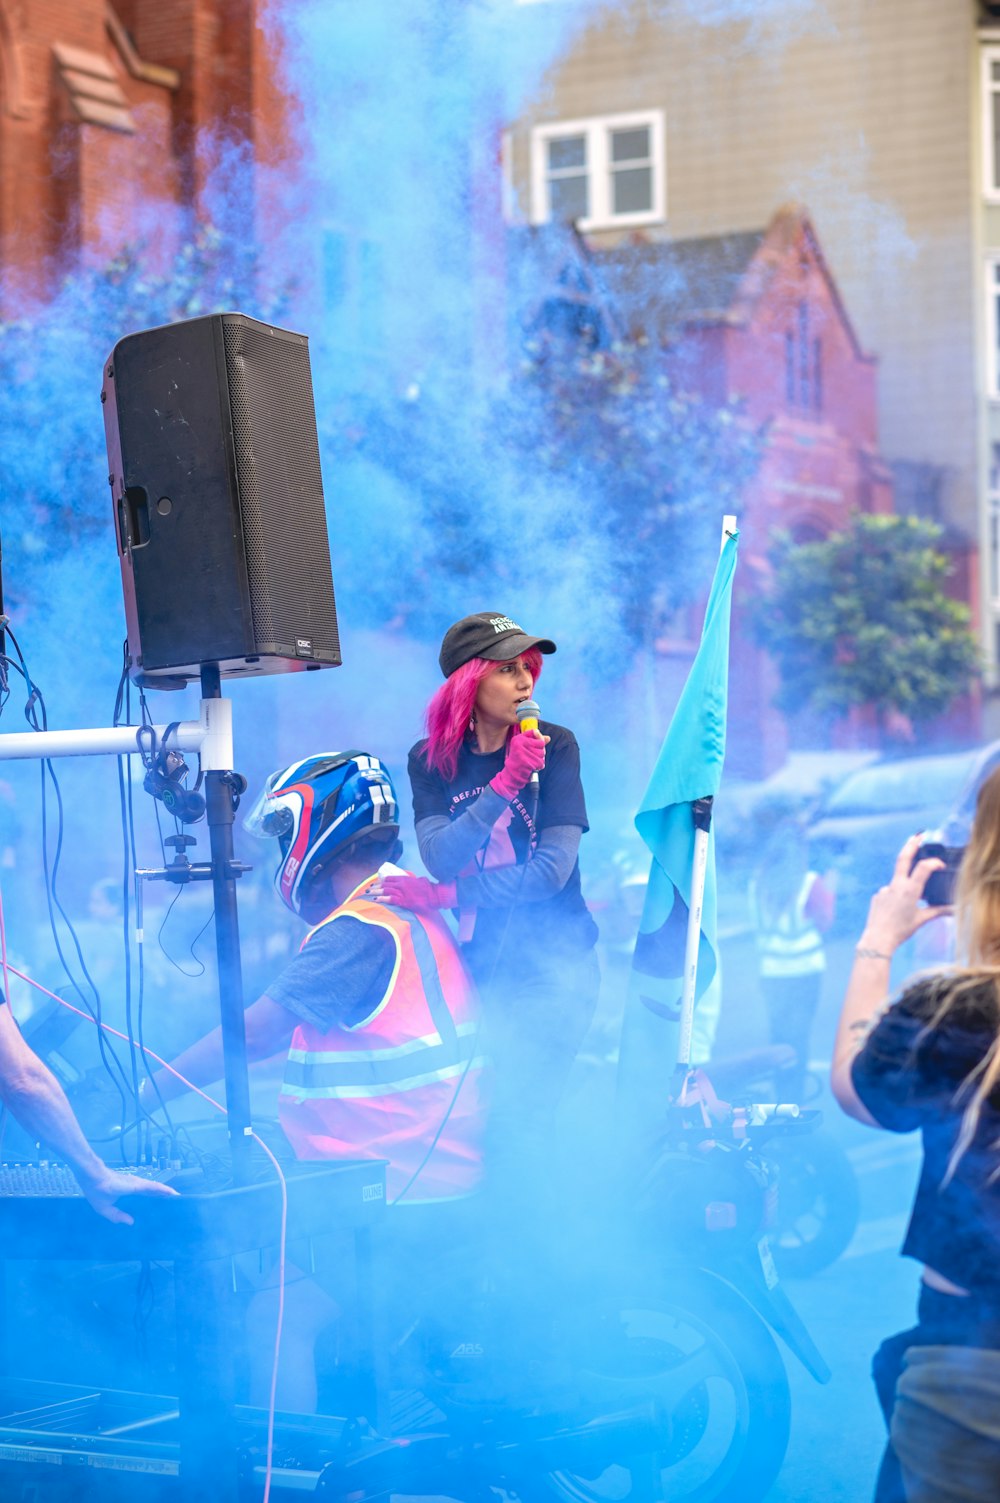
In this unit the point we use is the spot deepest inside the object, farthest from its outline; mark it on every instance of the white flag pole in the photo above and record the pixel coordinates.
(701, 813)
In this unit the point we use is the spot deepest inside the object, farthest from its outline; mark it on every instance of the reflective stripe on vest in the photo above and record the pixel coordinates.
(794, 947)
(406, 1077)
(369, 1072)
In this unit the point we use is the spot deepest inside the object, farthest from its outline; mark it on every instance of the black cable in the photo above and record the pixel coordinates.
(174, 1137)
(191, 975)
(131, 861)
(34, 707)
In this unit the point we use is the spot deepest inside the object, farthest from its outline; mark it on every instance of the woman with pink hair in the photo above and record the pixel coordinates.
(502, 844)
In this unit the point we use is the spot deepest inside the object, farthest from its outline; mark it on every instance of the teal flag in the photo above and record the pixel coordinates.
(689, 767)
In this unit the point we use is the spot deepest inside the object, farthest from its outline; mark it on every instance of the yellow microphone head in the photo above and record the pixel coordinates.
(528, 715)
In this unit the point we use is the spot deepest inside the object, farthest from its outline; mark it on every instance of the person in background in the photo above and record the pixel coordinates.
(503, 851)
(792, 908)
(931, 1061)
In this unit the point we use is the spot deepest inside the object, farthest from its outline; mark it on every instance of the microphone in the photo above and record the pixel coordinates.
(528, 715)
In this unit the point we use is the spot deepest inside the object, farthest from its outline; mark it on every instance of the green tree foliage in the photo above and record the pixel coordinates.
(862, 618)
(586, 462)
(657, 466)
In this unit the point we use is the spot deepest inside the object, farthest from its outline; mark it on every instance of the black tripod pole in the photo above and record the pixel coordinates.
(220, 811)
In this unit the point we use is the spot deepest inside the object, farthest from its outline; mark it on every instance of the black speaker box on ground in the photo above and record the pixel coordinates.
(214, 471)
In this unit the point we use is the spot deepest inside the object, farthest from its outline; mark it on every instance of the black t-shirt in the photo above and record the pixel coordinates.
(338, 979)
(558, 924)
(908, 1078)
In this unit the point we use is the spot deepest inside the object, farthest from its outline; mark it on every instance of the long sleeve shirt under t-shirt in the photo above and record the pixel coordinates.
(469, 832)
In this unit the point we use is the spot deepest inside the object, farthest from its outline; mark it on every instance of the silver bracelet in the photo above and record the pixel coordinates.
(863, 952)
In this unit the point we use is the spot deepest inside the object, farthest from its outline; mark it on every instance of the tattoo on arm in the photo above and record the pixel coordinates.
(862, 1027)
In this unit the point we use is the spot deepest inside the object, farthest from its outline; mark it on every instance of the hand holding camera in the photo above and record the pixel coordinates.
(896, 911)
(939, 889)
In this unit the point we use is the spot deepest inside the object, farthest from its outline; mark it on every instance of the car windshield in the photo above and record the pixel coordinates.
(919, 783)
(967, 804)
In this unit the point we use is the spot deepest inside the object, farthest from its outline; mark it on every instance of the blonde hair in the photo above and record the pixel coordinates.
(977, 907)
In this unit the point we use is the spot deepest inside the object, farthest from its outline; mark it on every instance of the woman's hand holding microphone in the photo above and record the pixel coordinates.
(525, 755)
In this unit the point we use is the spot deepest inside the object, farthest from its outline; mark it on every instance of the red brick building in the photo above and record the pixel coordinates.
(112, 115)
(755, 320)
(759, 321)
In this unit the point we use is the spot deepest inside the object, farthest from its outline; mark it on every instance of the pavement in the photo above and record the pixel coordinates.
(837, 1432)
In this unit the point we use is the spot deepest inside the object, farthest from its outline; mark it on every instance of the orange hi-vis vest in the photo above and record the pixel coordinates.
(384, 1087)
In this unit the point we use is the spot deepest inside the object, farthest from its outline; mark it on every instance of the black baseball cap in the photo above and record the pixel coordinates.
(487, 634)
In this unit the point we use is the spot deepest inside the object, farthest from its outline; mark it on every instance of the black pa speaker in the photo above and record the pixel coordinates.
(214, 471)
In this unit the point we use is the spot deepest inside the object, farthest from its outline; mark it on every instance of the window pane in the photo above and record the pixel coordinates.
(630, 145)
(996, 142)
(567, 151)
(632, 190)
(804, 354)
(790, 368)
(995, 72)
(568, 198)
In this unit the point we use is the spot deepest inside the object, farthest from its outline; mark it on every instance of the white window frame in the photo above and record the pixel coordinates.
(993, 328)
(991, 166)
(597, 132)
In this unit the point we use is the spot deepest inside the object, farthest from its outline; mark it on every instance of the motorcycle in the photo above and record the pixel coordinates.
(639, 1366)
(819, 1204)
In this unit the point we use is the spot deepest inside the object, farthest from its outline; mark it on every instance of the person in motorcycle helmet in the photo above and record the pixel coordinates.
(376, 1010)
(381, 1025)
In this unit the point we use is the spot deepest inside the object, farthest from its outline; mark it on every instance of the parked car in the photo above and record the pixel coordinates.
(858, 830)
(954, 830)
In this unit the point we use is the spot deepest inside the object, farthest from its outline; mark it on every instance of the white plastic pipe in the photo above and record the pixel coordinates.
(211, 735)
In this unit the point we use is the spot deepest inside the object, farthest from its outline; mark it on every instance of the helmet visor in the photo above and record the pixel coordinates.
(273, 814)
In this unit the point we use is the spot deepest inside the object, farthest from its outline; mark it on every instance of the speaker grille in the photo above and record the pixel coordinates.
(281, 489)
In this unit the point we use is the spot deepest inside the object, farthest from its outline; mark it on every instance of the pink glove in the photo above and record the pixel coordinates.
(525, 755)
(418, 894)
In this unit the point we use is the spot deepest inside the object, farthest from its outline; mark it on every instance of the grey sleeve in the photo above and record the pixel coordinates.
(448, 845)
(545, 874)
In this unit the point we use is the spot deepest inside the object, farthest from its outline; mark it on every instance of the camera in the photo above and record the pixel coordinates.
(940, 889)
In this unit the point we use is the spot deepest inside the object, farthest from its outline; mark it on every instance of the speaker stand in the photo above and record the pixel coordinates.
(222, 789)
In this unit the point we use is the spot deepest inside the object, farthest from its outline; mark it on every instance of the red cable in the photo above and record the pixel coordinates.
(272, 1402)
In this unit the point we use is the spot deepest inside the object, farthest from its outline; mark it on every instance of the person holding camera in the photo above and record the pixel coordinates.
(931, 1061)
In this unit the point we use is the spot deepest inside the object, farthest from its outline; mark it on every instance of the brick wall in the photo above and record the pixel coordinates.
(107, 115)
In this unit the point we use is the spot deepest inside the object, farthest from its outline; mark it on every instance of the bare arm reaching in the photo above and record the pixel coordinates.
(34, 1096)
(893, 916)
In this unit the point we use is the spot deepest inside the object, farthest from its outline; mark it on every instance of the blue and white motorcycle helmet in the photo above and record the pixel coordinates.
(316, 808)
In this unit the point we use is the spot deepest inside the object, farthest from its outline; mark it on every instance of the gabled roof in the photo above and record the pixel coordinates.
(660, 288)
(664, 287)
